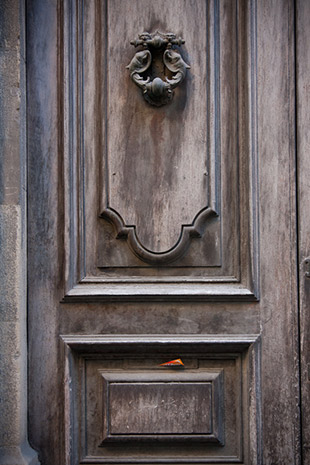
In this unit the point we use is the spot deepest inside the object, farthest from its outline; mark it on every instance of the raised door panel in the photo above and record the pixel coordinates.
(160, 196)
(123, 406)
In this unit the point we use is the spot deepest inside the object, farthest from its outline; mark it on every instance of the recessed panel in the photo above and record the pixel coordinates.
(157, 156)
(159, 408)
(154, 405)
(123, 406)
(157, 189)
(121, 395)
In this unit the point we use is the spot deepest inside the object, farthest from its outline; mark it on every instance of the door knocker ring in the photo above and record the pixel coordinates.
(157, 91)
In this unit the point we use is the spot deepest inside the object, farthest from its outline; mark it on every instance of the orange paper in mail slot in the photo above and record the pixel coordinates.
(175, 362)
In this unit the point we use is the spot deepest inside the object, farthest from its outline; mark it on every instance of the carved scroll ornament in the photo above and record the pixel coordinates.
(188, 231)
(157, 91)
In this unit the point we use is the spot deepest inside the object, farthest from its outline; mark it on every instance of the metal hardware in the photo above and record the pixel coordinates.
(157, 91)
(307, 267)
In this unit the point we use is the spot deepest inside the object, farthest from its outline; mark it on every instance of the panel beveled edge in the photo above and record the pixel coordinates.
(158, 292)
(212, 377)
(88, 343)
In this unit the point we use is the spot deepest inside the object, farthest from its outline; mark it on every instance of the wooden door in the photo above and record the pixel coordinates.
(162, 225)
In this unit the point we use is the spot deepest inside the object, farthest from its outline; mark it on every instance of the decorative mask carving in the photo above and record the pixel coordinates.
(157, 91)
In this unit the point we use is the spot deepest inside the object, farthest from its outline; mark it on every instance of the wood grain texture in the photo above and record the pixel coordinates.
(66, 161)
(162, 404)
(160, 409)
(44, 238)
(276, 146)
(216, 249)
(157, 157)
(99, 365)
(303, 148)
(163, 150)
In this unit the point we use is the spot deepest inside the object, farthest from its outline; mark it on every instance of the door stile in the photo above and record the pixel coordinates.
(279, 309)
(303, 174)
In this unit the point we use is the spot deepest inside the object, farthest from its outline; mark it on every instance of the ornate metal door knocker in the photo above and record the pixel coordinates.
(172, 68)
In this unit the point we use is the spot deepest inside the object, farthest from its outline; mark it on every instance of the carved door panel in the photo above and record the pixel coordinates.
(161, 227)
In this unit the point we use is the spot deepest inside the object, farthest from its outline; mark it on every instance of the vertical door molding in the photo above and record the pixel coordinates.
(277, 164)
(303, 173)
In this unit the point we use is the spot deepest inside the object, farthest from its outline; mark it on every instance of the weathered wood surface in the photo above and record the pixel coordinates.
(44, 240)
(160, 408)
(222, 249)
(273, 437)
(157, 157)
(124, 363)
(303, 158)
(276, 147)
(163, 404)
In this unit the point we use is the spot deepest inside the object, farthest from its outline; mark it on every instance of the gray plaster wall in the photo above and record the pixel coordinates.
(14, 447)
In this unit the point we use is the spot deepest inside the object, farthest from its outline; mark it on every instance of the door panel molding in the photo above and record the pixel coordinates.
(106, 250)
(224, 367)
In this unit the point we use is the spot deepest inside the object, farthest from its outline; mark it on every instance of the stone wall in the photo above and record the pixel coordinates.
(14, 447)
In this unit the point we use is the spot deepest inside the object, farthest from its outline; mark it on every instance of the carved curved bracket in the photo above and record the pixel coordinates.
(157, 91)
(188, 231)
